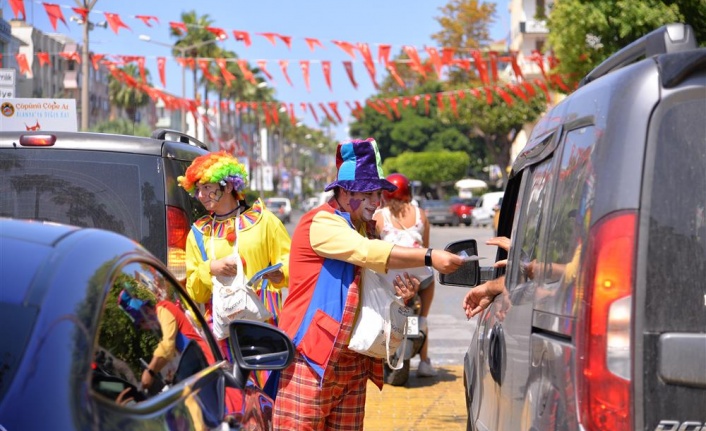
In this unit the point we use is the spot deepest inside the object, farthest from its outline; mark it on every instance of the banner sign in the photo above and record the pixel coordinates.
(23, 115)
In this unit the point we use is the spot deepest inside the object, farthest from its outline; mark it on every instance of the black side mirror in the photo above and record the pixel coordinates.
(469, 273)
(259, 346)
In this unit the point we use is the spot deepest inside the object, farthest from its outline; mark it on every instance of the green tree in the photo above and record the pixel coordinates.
(194, 43)
(434, 168)
(126, 97)
(608, 25)
(122, 126)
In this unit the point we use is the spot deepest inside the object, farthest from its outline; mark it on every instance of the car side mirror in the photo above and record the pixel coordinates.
(469, 273)
(259, 346)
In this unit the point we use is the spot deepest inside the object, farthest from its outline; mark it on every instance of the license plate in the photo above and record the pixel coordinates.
(412, 325)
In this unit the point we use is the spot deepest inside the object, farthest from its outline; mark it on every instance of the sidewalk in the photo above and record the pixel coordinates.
(436, 403)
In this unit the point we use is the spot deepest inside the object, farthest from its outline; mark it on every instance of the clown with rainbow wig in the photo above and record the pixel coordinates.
(218, 181)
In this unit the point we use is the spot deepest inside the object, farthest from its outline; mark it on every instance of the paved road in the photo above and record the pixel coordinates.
(449, 330)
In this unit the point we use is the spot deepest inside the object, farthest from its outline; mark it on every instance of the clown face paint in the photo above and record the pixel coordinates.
(363, 205)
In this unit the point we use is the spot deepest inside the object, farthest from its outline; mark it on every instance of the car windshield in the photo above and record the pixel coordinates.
(275, 204)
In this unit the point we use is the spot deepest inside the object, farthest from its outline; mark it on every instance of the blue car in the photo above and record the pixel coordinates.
(98, 335)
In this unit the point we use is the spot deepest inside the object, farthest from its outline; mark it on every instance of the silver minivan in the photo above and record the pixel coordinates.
(602, 325)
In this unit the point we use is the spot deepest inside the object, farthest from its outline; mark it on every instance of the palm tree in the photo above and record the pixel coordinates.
(196, 35)
(126, 97)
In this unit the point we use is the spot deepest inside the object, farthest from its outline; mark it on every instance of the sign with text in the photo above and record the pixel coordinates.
(8, 80)
(38, 114)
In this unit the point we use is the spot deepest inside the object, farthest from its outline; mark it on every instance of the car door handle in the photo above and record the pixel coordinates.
(496, 346)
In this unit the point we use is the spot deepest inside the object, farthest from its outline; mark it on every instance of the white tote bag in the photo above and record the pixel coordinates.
(234, 299)
(382, 320)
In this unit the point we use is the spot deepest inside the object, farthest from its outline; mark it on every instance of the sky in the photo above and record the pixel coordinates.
(395, 22)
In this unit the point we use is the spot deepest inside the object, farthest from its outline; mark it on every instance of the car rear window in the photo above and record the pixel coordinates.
(83, 188)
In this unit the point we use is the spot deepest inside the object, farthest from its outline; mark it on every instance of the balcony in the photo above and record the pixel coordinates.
(534, 27)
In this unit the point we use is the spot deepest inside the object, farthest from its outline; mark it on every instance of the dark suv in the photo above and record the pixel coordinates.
(126, 184)
(602, 325)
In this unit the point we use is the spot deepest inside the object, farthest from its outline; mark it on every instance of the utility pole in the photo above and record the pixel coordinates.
(88, 5)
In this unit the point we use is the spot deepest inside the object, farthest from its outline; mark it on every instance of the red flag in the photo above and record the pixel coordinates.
(262, 65)
(18, 7)
(247, 74)
(537, 58)
(326, 67)
(328, 116)
(71, 56)
(556, 79)
(266, 111)
(461, 94)
(227, 76)
(275, 113)
(368, 61)
(313, 43)
(286, 39)
(178, 27)
(358, 107)
(43, 58)
(292, 115)
(463, 63)
(447, 56)
(242, 36)
(452, 102)
(115, 22)
(270, 37)
(141, 66)
(518, 92)
(348, 47)
(55, 14)
(334, 109)
(435, 60)
(186, 62)
(427, 98)
(81, 11)
(544, 88)
(218, 32)
(488, 95)
(283, 66)
(384, 54)
(493, 55)
(529, 88)
(515, 66)
(348, 65)
(147, 18)
(480, 65)
(303, 106)
(304, 64)
(224, 106)
(23, 64)
(393, 72)
(161, 63)
(96, 59)
(313, 112)
(506, 97)
(440, 101)
(416, 62)
(393, 104)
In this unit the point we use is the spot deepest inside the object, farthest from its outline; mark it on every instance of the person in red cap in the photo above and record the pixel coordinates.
(324, 387)
(402, 223)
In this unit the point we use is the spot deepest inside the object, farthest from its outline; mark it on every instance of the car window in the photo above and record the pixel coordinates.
(84, 188)
(144, 317)
(526, 249)
(568, 219)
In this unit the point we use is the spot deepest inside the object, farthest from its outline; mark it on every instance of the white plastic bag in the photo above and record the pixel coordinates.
(382, 320)
(233, 299)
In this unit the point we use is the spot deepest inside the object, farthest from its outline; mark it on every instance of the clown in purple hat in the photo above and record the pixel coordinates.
(331, 246)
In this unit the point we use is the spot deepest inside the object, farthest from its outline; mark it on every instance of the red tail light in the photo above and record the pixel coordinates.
(605, 346)
(177, 231)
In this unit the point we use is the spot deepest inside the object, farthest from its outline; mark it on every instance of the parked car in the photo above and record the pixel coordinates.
(439, 212)
(82, 304)
(603, 323)
(309, 203)
(484, 211)
(496, 215)
(463, 207)
(126, 184)
(282, 207)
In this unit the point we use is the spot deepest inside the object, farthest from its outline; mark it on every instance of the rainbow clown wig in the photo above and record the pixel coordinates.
(219, 167)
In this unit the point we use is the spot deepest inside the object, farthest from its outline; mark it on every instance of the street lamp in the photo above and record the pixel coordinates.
(182, 53)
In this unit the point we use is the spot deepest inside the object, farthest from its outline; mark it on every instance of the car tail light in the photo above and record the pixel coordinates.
(177, 231)
(604, 346)
(37, 140)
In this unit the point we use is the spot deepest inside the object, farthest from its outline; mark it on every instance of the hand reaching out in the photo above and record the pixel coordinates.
(480, 297)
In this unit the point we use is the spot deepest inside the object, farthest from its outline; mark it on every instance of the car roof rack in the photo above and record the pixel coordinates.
(162, 135)
(667, 39)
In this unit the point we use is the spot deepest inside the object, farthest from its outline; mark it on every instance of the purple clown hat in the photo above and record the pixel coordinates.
(359, 167)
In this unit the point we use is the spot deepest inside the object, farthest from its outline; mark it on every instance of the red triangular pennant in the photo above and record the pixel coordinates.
(347, 47)
(348, 65)
(262, 65)
(18, 8)
(54, 13)
(304, 64)
(115, 22)
(147, 18)
(326, 68)
(242, 36)
(161, 64)
(43, 58)
(313, 43)
(283, 64)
